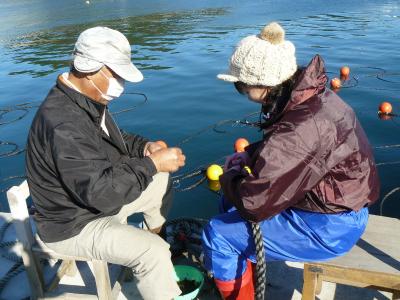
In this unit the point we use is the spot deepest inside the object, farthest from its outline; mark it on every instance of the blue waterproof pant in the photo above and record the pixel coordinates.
(292, 235)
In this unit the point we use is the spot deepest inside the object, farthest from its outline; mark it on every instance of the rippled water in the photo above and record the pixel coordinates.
(180, 46)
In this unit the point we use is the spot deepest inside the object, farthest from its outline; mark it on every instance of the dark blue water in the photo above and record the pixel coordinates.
(180, 46)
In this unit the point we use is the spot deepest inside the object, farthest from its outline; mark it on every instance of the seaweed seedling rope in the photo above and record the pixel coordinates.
(384, 199)
(350, 83)
(215, 126)
(387, 146)
(199, 171)
(3, 112)
(383, 75)
(133, 107)
(10, 178)
(13, 152)
(24, 108)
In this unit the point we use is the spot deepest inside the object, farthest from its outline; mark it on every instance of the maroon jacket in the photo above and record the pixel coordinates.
(316, 157)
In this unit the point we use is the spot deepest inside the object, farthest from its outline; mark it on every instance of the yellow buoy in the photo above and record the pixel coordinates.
(214, 185)
(213, 172)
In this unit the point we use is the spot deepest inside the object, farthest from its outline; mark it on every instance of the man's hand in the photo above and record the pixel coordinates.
(152, 147)
(168, 159)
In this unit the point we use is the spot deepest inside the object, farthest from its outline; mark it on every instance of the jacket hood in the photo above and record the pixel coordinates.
(311, 82)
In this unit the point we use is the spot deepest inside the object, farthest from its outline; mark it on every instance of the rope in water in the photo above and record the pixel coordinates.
(387, 196)
(176, 180)
(256, 230)
(10, 178)
(132, 107)
(6, 111)
(13, 152)
(243, 121)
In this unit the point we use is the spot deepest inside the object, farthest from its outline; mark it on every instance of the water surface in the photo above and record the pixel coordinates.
(180, 46)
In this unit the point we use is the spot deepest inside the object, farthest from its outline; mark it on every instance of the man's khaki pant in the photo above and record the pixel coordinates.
(112, 240)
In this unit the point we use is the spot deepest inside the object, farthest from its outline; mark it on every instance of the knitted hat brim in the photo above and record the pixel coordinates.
(228, 77)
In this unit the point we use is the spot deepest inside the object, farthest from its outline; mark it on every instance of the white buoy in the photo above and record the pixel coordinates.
(87, 2)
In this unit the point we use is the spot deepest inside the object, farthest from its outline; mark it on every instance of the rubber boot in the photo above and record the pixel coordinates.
(241, 288)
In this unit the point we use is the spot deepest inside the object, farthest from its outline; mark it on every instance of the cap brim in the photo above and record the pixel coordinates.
(128, 72)
(227, 77)
(86, 65)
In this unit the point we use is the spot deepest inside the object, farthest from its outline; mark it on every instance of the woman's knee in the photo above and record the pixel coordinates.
(208, 235)
(219, 229)
(212, 237)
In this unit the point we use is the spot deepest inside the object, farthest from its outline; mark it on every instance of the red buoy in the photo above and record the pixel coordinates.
(345, 71)
(335, 83)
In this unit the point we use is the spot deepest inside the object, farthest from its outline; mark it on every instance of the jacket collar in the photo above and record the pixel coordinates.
(94, 109)
(311, 82)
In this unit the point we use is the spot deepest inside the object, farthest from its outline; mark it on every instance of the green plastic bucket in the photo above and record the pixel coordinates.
(183, 272)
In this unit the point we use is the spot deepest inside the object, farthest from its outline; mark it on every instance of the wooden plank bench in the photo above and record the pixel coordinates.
(374, 262)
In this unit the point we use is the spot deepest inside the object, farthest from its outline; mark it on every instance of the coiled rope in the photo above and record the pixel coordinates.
(18, 267)
(184, 234)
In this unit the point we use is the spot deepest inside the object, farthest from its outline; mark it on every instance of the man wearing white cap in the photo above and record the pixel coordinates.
(86, 176)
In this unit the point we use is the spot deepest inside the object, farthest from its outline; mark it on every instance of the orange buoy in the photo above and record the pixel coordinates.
(213, 172)
(385, 108)
(162, 144)
(335, 83)
(345, 71)
(240, 144)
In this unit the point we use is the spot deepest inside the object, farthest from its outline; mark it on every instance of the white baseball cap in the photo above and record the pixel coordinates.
(99, 46)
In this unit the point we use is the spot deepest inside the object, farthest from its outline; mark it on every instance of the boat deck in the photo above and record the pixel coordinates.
(284, 279)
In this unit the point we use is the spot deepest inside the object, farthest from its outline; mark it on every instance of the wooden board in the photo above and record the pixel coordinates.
(378, 250)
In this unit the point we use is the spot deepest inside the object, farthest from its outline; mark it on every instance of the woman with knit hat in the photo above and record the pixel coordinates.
(312, 177)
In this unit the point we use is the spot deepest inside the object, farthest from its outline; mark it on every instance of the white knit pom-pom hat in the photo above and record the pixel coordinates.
(266, 59)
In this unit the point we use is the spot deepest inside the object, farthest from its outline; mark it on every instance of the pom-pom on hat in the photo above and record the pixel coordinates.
(266, 59)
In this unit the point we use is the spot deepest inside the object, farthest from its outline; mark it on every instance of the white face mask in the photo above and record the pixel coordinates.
(115, 87)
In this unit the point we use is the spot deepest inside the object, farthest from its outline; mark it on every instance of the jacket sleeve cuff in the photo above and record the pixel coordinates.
(141, 165)
(230, 182)
(141, 147)
(148, 162)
